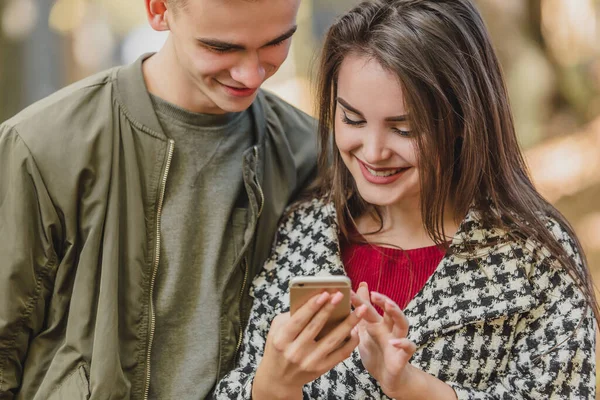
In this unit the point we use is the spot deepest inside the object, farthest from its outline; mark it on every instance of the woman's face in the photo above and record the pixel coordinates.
(373, 133)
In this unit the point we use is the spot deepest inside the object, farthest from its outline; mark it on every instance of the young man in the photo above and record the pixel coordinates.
(136, 205)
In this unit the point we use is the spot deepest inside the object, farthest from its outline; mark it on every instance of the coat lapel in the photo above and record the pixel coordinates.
(468, 287)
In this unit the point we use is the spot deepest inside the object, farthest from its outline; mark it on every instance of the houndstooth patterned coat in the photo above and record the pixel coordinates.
(504, 323)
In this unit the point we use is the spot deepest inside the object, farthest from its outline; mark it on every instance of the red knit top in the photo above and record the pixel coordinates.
(398, 274)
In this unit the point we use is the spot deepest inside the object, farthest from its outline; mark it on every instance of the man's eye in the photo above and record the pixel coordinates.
(219, 49)
(278, 43)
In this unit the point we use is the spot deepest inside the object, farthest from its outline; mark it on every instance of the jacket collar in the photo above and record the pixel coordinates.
(134, 98)
(132, 93)
(467, 287)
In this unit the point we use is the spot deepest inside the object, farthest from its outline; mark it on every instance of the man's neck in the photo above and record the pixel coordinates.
(165, 79)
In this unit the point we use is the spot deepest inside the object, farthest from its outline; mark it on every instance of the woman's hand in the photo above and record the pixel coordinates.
(384, 349)
(292, 357)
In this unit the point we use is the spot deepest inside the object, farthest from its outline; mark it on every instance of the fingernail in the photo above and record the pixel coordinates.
(322, 298)
(337, 298)
(395, 342)
(362, 284)
(360, 311)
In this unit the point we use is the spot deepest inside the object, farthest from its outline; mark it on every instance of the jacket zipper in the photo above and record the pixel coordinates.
(245, 261)
(161, 198)
(262, 196)
(239, 342)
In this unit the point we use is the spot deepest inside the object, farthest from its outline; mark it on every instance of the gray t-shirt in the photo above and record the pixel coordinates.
(200, 220)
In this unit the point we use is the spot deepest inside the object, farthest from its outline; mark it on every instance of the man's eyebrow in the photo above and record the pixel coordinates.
(397, 118)
(283, 37)
(234, 46)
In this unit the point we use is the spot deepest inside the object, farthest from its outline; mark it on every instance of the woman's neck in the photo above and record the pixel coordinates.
(403, 226)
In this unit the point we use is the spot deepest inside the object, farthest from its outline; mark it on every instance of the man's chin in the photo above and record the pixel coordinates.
(230, 105)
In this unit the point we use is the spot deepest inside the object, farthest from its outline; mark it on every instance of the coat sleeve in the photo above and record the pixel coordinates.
(28, 224)
(553, 353)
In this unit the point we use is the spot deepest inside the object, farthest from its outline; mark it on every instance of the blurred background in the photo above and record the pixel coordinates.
(549, 49)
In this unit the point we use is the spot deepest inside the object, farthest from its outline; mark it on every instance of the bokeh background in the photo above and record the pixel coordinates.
(549, 49)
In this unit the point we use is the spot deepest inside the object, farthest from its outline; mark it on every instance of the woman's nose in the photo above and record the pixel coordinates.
(375, 149)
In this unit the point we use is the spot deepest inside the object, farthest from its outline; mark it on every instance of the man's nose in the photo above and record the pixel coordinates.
(249, 72)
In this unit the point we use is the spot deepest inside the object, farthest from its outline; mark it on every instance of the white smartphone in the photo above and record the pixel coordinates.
(302, 288)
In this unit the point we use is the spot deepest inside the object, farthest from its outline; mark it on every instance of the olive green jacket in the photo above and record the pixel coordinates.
(82, 179)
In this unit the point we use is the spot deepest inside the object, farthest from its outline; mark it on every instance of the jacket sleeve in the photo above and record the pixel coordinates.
(553, 353)
(237, 384)
(28, 223)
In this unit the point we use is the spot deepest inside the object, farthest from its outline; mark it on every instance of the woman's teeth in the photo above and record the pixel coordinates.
(385, 173)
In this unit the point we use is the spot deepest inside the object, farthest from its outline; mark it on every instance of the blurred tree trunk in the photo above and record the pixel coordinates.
(43, 59)
(11, 76)
(31, 67)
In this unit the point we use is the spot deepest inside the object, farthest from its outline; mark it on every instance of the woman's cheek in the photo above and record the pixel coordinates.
(345, 139)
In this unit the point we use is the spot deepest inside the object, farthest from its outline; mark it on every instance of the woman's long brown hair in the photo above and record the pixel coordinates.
(469, 155)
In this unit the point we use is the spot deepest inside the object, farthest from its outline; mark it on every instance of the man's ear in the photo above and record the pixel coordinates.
(156, 12)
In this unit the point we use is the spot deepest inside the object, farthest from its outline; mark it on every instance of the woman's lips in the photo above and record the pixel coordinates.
(381, 176)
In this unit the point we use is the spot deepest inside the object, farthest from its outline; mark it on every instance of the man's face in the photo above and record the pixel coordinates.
(227, 48)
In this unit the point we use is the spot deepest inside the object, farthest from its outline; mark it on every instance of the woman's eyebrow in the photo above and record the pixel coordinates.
(347, 106)
(396, 118)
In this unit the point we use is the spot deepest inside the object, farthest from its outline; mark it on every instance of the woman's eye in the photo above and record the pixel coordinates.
(349, 121)
(402, 132)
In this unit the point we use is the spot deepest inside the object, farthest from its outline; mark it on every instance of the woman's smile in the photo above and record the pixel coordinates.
(381, 176)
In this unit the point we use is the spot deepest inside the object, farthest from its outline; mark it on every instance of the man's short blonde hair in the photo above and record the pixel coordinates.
(177, 4)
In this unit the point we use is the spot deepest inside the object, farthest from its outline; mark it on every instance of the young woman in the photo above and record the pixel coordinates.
(426, 204)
